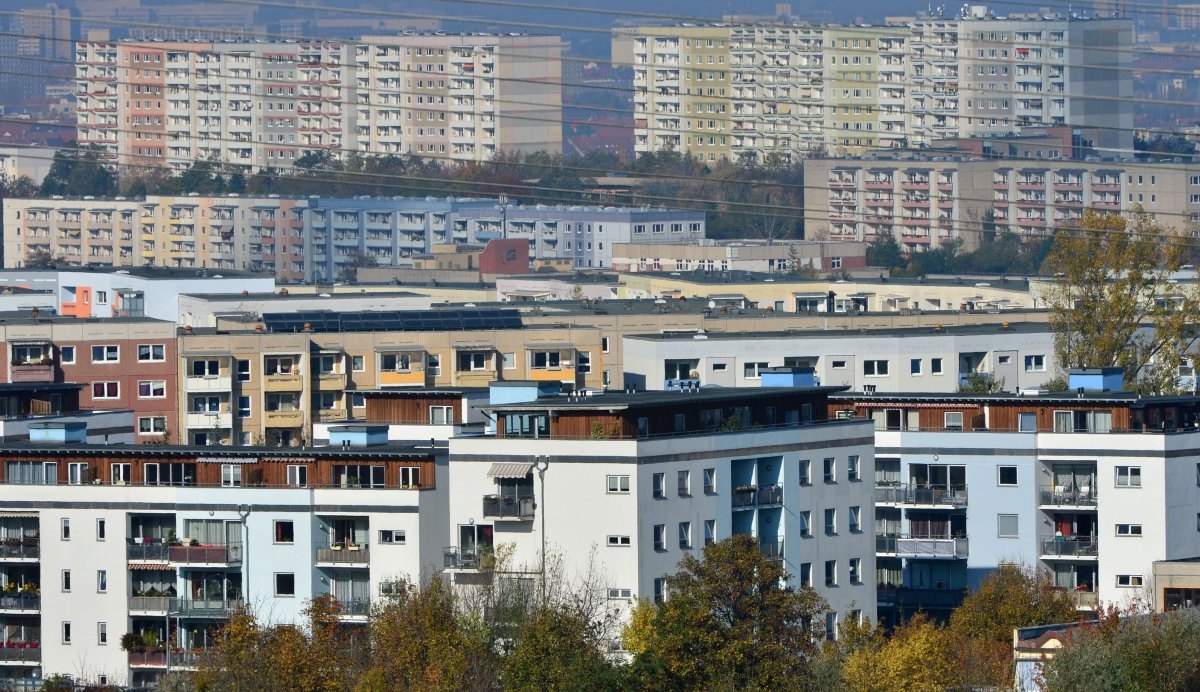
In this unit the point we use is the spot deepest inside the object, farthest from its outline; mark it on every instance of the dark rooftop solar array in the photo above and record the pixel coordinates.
(393, 320)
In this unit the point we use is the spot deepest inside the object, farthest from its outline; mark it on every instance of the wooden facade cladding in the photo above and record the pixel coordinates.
(411, 410)
(205, 470)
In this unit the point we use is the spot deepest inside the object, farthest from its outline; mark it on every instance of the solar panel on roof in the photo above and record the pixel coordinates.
(400, 320)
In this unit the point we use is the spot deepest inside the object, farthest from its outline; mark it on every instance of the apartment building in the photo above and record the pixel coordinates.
(924, 202)
(739, 255)
(263, 105)
(637, 481)
(932, 359)
(127, 364)
(271, 382)
(315, 239)
(757, 92)
(205, 530)
(1093, 486)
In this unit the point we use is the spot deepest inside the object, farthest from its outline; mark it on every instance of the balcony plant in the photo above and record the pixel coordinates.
(9, 588)
(131, 641)
(172, 538)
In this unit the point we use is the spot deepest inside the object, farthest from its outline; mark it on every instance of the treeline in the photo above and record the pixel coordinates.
(730, 622)
(742, 201)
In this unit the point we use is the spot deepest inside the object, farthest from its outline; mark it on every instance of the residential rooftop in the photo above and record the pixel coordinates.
(818, 333)
(612, 401)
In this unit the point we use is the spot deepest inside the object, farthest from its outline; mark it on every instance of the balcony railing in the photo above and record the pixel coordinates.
(1069, 547)
(205, 554)
(20, 651)
(770, 494)
(355, 608)
(745, 496)
(920, 598)
(149, 604)
(922, 547)
(772, 548)
(454, 557)
(345, 554)
(1072, 498)
(508, 507)
(20, 549)
(945, 496)
(20, 601)
(160, 659)
(146, 552)
(203, 608)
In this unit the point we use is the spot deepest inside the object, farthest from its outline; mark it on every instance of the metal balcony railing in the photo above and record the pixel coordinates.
(1063, 497)
(1069, 547)
(508, 507)
(454, 557)
(345, 553)
(205, 554)
(147, 552)
(20, 549)
(946, 496)
(20, 601)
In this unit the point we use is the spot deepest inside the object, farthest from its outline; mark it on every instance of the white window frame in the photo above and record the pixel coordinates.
(109, 353)
(1035, 362)
(150, 358)
(871, 368)
(615, 541)
(1130, 474)
(1130, 581)
(1129, 530)
(617, 484)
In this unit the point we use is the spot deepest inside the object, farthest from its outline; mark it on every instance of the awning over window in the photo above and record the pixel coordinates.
(510, 470)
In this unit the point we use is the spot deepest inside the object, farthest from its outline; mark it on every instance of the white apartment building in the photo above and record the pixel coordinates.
(100, 541)
(752, 92)
(935, 359)
(306, 239)
(924, 202)
(262, 105)
(640, 480)
(1091, 487)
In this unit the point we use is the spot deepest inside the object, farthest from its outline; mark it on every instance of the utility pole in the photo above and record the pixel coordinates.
(542, 463)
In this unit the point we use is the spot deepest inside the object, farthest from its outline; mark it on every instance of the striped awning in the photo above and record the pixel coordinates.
(157, 566)
(510, 470)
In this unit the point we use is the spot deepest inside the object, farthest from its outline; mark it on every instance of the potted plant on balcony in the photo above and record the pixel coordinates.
(30, 589)
(9, 588)
(130, 641)
(172, 538)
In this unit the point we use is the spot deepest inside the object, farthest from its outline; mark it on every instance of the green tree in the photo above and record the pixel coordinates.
(1112, 303)
(731, 621)
(77, 172)
(1141, 652)
(884, 251)
(560, 649)
(982, 383)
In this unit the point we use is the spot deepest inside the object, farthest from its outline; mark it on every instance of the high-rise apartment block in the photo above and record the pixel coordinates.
(758, 92)
(263, 105)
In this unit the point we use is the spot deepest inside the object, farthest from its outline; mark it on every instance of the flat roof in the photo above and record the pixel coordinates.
(1134, 399)
(612, 401)
(816, 333)
(422, 391)
(276, 295)
(223, 451)
(736, 276)
(143, 272)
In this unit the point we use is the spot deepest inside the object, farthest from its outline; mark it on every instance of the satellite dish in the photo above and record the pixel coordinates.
(712, 303)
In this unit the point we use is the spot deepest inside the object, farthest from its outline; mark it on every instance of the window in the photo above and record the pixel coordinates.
(243, 371)
(752, 371)
(1129, 529)
(831, 522)
(618, 484)
(831, 573)
(66, 633)
(469, 361)
(441, 415)
(1027, 422)
(855, 519)
(620, 594)
(710, 531)
(285, 532)
(64, 529)
(106, 390)
(660, 537)
(935, 366)
(806, 574)
(1129, 476)
(67, 354)
(685, 535)
(710, 481)
(604, 344)
(358, 363)
(831, 618)
(660, 486)
(279, 366)
(830, 466)
(1007, 475)
(660, 589)
(805, 472)
(953, 420)
(101, 581)
(102, 634)
(106, 354)
(101, 530)
(1007, 525)
(433, 364)
(508, 361)
(618, 541)
(77, 473)
(583, 362)
(285, 584)
(297, 475)
(856, 570)
(151, 353)
(1129, 580)
(838, 365)
(914, 366)
(875, 368)
(685, 483)
(805, 520)
(357, 400)
(393, 537)
(231, 475)
(152, 389)
(206, 368)
(1036, 363)
(102, 297)
(853, 468)
(66, 581)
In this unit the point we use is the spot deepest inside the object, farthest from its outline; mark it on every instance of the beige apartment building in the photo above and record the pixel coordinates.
(924, 202)
(786, 90)
(249, 385)
(264, 104)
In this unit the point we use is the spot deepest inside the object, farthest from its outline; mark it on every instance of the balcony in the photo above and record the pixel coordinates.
(146, 552)
(160, 659)
(1053, 548)
(922, 548)
(284, 419)
(771, 548)
(344, 554)
(1061, 497)
(20, 550)
(770, 495)
(508, 507)
(210, 420)
(354, 610)
(149, 605)
(950, 497)
(411, 378)
(207, 384)
(215, 608)
(20, 603)
(20, 652)
(283, 383)
(32, 373)
(466, 559)
(920, 599)
(205, 555)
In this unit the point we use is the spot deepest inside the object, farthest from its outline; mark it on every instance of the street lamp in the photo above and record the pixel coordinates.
(541, 463)
(504, 216)
(244, 512)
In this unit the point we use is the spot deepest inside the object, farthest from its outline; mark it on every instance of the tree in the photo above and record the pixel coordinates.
(884, 251)
(43, 259)
(914, 659)
(559, 650)
(1112, 303)
(731, 621)
(356, 260)
(982, 383)
(79, 172)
